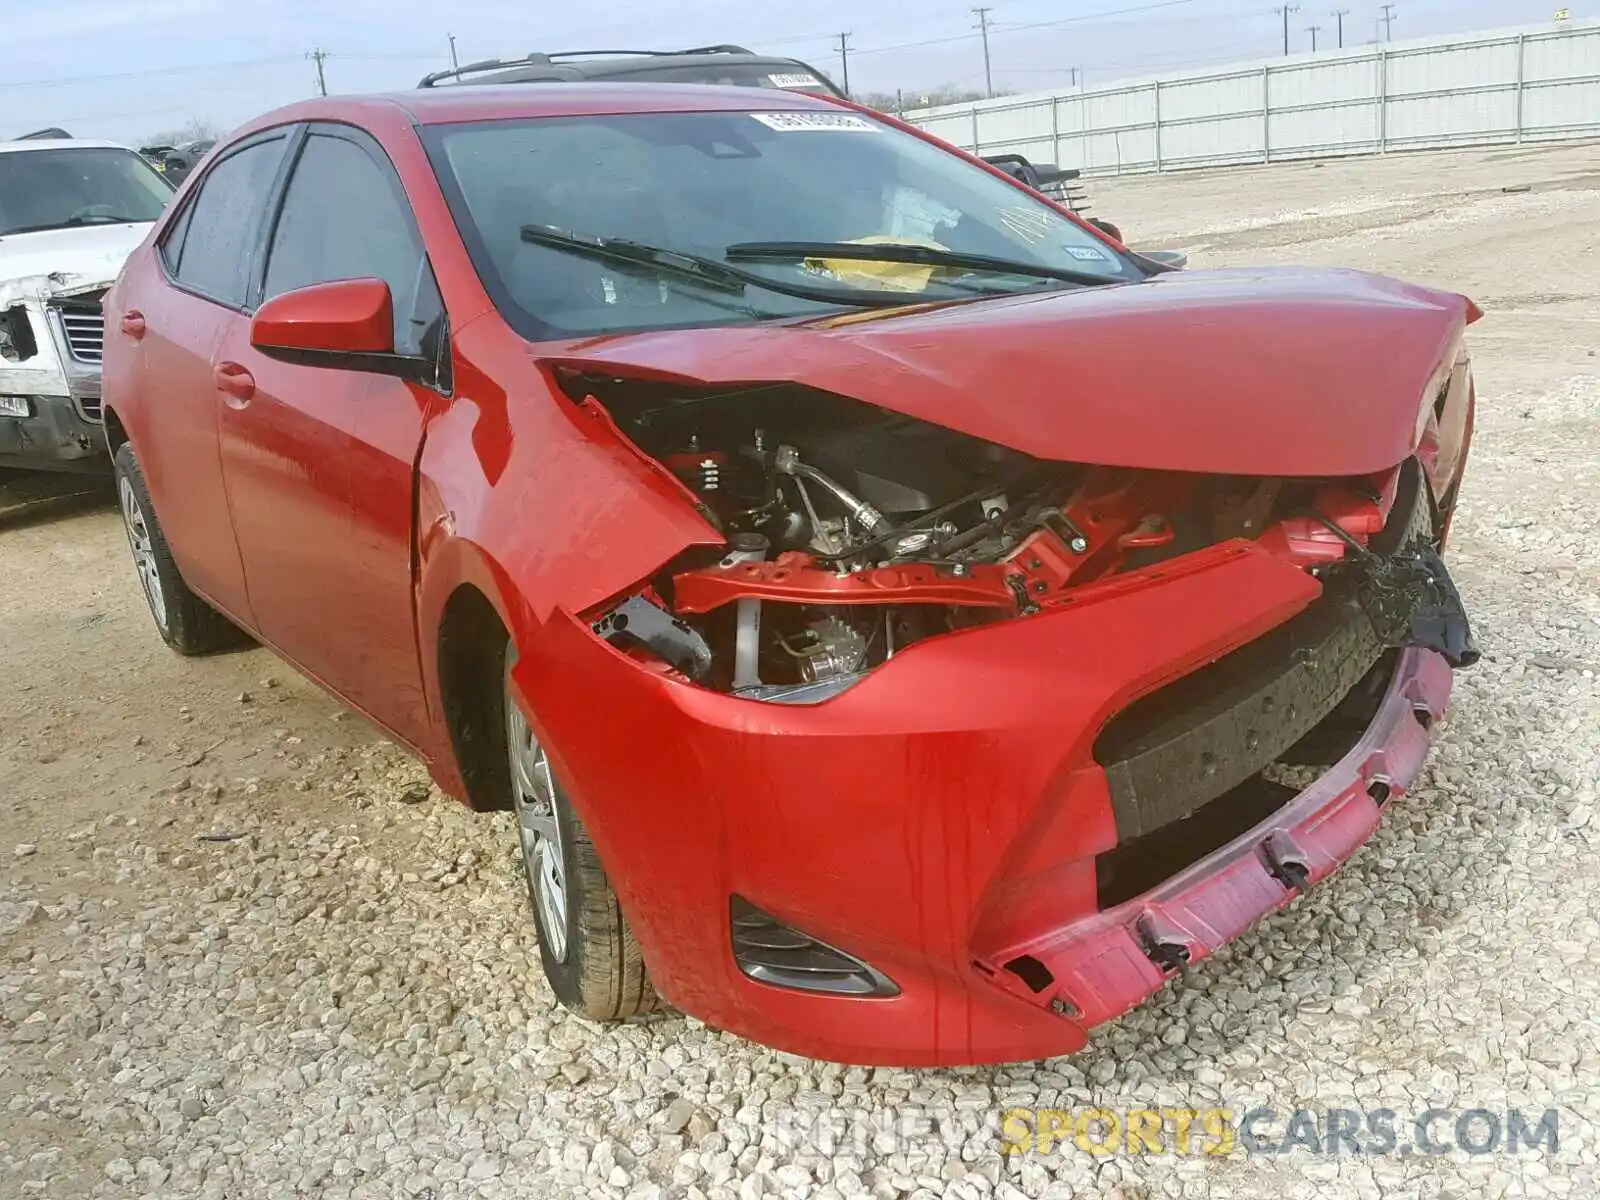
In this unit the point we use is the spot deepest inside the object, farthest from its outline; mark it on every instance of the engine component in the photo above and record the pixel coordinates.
(786, 461)
(747, 547)
(836, 648)
(637, 620)
(912, 543)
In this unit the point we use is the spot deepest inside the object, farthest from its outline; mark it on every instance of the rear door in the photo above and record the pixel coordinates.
(319, 460)
(176, 322)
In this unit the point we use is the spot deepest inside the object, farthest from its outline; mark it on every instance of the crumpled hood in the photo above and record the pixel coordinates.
(53, 261)
(1249, 371)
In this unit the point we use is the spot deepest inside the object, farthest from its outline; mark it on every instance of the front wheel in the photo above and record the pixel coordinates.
(186, 623)
(590, 954)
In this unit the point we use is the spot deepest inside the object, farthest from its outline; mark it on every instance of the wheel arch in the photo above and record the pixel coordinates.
(469, 661)
(466, 611)
(116, 432)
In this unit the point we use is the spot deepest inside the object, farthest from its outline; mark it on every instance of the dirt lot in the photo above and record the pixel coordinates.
(245, 951)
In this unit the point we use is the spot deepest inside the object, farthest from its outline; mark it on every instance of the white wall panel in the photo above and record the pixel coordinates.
(1537, 83)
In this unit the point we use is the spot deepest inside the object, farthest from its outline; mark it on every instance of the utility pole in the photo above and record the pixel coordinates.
(319, 57)
(1388, 22)
(1339, 14)
(844, 59)
(983, 28)
(1313, 30)
(899, 102)
(1284, 12)
(455, 63)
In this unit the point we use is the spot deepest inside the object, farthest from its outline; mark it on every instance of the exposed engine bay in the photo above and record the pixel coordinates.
(853, 532)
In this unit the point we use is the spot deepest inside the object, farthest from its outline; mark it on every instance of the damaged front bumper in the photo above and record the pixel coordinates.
(948, 824)
(1099, 967)
(53, 436)
(51, 334)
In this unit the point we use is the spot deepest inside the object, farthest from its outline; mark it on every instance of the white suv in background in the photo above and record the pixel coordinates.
(71, 211)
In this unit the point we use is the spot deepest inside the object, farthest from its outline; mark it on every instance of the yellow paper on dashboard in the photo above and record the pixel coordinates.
(878, 276)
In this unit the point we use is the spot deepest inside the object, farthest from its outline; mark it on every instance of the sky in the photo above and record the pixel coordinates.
(127, 69)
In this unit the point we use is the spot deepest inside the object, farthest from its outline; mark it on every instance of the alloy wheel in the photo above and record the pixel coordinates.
(144, 554)
(535, 796)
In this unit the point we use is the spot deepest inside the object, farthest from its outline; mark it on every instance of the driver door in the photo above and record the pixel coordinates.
(319, 460)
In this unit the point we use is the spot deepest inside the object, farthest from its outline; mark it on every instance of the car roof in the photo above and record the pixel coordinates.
(510, 101)
(61, 144)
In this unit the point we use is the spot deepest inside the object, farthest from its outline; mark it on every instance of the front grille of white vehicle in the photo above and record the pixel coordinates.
(85, 329)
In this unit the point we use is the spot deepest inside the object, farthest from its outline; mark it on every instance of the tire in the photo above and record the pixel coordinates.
(186, 623)
(589, 953)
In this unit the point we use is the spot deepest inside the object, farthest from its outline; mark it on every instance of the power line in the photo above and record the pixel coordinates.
(71, 80)
(1079, 20)
(1284, 12)
(844, 60)
(1387, 21)
(1339, 14)
(319, 57)
(983, 31)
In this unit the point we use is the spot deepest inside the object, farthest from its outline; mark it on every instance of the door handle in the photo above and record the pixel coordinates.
(234, 381)
(132, 324)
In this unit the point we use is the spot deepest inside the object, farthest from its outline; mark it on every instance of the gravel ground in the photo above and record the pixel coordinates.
(245, 951)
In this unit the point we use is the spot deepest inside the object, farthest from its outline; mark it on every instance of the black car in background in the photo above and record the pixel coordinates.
(730, 66)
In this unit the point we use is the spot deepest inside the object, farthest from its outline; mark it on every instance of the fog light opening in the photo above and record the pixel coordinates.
(770, 952)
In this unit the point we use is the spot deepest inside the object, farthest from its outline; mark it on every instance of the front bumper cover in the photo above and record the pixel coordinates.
(942, 819)
(56, 437)
(1102, 966)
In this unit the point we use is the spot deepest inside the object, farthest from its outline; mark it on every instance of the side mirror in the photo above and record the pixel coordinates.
(327, 323)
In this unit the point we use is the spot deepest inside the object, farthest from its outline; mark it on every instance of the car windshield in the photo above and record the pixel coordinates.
(754, 182)
(63, 188)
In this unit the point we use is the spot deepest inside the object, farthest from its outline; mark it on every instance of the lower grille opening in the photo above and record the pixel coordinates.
(1032, 972)
(771, 952)
(1139, 864)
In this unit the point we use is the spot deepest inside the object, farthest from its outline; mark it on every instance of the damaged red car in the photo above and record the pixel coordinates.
(908, 626)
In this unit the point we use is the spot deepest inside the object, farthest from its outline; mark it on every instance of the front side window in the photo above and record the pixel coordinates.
(64, 188)
(344, 216)
(716, 184)
(221, 224)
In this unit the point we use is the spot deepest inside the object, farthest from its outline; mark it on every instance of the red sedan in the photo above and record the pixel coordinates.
(908, 626)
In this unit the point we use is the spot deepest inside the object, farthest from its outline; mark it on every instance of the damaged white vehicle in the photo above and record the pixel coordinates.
(71, 211)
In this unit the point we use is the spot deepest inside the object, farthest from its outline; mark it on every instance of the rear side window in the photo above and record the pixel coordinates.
(345, 216)
(220, 227)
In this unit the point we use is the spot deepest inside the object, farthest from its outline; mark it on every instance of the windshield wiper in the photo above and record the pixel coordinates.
(624, 253)
(707, 272)
(924, 256)
(75, 222)
(102, 219)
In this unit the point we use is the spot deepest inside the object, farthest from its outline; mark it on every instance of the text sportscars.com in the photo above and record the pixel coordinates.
(1209, 1131)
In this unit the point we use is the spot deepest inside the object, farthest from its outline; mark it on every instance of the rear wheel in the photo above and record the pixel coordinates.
(590, 955)
(186, 623)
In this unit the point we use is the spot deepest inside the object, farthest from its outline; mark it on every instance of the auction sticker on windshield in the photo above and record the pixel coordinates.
(812, 122)
(792, 81)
